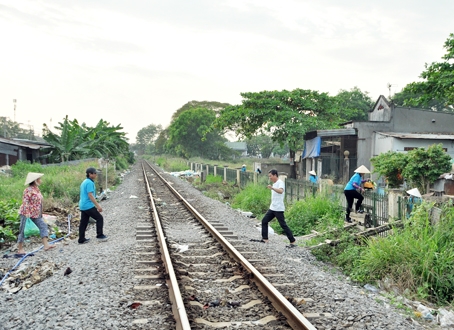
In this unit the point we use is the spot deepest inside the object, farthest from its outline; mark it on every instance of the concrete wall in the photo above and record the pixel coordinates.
(381, 112)
(399, 144)
(280, 167)
(420, 121)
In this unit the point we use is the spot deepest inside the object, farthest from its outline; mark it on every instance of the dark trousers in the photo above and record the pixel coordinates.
(351, 195)
(279, 215)
(84, 217)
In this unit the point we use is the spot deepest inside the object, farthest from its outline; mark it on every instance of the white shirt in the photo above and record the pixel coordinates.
(277, 200)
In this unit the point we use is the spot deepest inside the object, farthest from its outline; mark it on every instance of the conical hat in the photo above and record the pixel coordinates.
(312, 172)
(32, 177)
(414, 192)
(362, 169)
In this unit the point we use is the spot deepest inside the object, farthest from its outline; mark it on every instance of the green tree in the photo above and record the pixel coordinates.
(425, 166)
(353, 104)
(189, 136)
(69, 144)
(260, 145)
(76, 141)
(390, 165)
(12, 129)
(146, 137)
(409, 93)
(160, 143)
(211, 105)
(285, 115)
(438, 82)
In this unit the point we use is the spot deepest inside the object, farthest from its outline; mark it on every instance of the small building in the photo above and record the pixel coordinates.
(241, 147)
(14, 150)
(389, 128)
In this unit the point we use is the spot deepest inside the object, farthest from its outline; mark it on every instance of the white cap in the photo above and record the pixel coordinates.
(32, 177)
(312, 172)
(362, 169)
(244, 165)
(414, 192)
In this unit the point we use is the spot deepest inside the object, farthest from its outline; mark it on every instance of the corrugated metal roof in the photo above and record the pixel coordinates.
(20, 144)
(237, 145)
(336, 132)
(424, 136)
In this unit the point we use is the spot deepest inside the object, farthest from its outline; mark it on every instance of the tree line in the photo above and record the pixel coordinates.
(198, 129)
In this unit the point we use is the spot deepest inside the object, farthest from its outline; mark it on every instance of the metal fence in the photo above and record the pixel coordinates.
(230, 175)
(210, 170)
(299, 189)
(246, 178)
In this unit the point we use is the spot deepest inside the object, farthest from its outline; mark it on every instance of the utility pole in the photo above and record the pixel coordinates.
(14, 102)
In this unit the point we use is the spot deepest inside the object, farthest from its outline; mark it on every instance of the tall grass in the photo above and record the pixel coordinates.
(253, 198)
(313, 212)
(168, 163)
(419, 257)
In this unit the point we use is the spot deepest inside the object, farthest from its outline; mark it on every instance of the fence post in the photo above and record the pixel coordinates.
(297, 192)
(393, 202)
(308, 166)
(374, 209)
(238, 178)
(346, 168)
(225, 172)
(215, 170)
(255, 178)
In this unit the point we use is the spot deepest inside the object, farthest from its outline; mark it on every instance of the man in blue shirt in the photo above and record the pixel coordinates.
(89, 207)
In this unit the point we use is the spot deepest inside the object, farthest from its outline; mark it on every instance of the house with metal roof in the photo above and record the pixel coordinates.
(389, 128)
(241, 147)
(14, 150)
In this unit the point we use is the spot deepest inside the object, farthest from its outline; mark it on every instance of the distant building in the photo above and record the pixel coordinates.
(14, 150)
(389, 128)
(238, 146)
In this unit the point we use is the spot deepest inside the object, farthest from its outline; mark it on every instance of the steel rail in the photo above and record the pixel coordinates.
(295, 319)
(179, 311)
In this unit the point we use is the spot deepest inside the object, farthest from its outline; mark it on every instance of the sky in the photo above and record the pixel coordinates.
(134, 63)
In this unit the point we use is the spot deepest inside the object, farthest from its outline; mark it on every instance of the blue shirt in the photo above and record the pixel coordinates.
(87, 186)
(356, 178)
(313, 179)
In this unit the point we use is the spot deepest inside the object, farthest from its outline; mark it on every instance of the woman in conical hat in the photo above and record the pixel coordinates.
(32, 207)
(414, 192)
(414, 199)
(313, 176)
(351, 191)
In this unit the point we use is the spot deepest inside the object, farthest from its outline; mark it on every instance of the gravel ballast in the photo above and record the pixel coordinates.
(97, 292)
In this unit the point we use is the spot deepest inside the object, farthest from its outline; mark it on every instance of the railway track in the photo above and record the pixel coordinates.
(199, 276)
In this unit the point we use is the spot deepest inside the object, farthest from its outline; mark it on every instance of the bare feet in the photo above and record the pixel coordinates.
(47, 248)
(21, 252)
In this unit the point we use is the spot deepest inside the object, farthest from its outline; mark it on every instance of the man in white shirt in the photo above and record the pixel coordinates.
(276, 209)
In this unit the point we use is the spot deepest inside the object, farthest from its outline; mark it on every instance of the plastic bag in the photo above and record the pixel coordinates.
(30, 228)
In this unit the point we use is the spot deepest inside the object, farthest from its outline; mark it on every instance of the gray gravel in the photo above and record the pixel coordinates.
(96, 294)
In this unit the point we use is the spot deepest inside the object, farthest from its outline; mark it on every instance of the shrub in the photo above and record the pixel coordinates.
(253, 198)
(304, 215)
